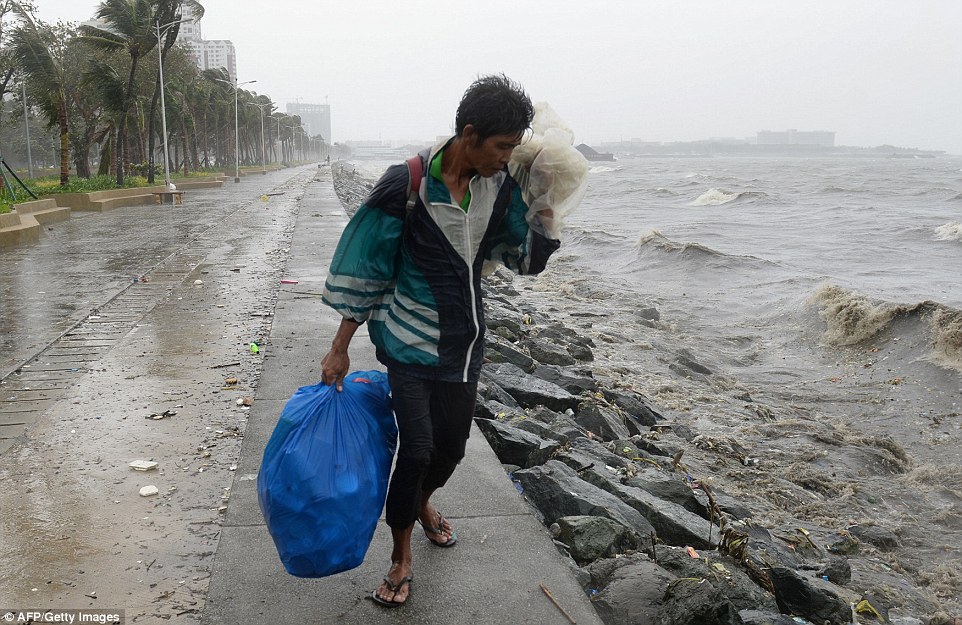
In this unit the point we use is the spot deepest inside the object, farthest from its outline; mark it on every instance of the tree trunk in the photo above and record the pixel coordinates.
(123, 157)
(150, 131)
(64, 147)
(105, 155)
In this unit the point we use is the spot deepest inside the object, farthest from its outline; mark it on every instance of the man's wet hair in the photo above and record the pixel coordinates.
(494, 105)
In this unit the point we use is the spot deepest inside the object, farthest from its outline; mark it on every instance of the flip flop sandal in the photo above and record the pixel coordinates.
(439, 530)
(394, 588)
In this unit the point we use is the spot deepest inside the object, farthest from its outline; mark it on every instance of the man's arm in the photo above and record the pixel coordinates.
(336, 364)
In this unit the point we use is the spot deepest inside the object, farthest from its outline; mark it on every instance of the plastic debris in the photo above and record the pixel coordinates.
(288, 281)
(245, 401)
(198, 282)
(254, 348)
(149, 491)
(691, 552)
(143, 465)
(157, 416)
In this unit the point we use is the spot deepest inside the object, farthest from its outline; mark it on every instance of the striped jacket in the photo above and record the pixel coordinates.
(414, 275)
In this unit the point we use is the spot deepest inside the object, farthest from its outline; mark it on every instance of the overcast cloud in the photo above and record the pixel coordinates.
(874, 71)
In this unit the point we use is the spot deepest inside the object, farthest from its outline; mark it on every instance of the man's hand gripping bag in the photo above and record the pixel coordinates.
(324, 475)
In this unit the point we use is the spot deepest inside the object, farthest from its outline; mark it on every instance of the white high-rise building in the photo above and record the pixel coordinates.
(207, 54)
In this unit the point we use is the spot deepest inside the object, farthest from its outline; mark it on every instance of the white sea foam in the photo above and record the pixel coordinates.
(715, 197)
(949, 232)
(603, 169)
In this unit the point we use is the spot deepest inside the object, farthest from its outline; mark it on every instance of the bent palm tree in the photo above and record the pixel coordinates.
(41, 51)
(127, 28)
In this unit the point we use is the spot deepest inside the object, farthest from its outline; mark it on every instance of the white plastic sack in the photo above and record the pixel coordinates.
(557, 173)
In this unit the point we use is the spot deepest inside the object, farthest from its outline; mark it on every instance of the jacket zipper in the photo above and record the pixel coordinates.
(474, 308)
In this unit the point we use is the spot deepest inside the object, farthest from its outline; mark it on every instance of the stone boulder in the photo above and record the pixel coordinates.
(516, 446)
(634, 406)
(811, 598)
(499, 351)
(574, 380)
(557, 491)
(723, 572)
(489, 390)
(548, 353)
(837, 570)
(589, 538)
(629, 590)
(674, 524)
(761, 617)
(690, 601)
(527, 390)
(884, 539)
(601, 421)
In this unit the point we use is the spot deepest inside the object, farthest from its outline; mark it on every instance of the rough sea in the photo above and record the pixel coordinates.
(804, 317)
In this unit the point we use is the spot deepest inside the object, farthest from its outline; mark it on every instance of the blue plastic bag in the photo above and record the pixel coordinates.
(324, 475)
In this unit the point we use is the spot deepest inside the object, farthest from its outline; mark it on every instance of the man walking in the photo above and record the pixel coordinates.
(409, 264)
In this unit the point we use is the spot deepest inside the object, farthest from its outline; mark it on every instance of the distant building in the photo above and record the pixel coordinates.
(207, 54)
(592, 154)
(821, 138)
(317, 115)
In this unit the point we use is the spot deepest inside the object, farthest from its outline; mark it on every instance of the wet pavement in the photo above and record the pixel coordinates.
(159, 370)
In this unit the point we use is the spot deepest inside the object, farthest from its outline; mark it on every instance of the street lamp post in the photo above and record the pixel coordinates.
(163, 108)
(235, 87)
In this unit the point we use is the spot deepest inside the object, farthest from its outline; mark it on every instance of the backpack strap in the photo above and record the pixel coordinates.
(415, 175)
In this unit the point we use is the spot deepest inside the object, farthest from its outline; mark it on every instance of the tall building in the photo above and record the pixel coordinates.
(317, 115)
(207, 54)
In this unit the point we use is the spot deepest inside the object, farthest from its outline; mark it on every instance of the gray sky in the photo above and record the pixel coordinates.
(874, 71)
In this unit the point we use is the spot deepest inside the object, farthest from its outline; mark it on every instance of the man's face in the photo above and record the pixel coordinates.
(491, 155)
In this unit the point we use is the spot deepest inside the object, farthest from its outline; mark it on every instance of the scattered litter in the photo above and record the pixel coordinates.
(198, 282)
(255, 348)
(288, 281)
(149, 491)
(157, 416)
(92, 595)
(226, 364)
(247, 477)
(245, 401)
(264, 198)
(236, 269)
(142, 465)
(691, 552)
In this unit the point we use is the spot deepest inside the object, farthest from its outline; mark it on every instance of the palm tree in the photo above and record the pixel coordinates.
(167, 12)
(128, 28)
(41, 53)
(106, 86)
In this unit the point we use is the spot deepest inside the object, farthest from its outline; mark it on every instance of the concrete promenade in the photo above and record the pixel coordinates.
(492, 576)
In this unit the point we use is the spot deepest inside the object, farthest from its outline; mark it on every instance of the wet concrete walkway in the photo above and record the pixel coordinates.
(492, 576)
(74, 533)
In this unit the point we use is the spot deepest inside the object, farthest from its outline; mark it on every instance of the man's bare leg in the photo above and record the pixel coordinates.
(401, 561)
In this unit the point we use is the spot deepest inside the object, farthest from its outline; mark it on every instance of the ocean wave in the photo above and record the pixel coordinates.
(852, 318)
(949, 232)
(603, 169)
(956, 197)
(717, 197)
(836, 189)
(655, 240)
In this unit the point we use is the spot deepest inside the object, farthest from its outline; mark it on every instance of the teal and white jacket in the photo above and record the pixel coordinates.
(414, 275)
